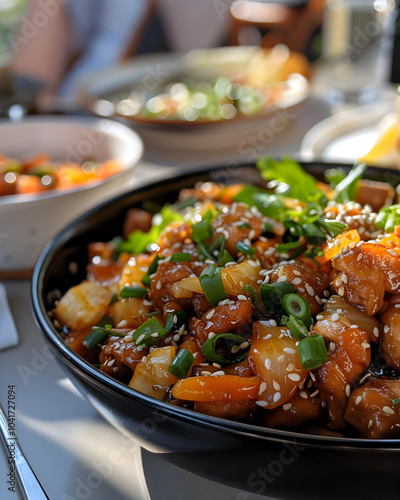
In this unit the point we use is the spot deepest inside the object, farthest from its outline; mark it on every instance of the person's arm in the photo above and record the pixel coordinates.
(42, 46)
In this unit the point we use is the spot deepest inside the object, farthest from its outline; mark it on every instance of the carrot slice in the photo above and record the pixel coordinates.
(220, 388)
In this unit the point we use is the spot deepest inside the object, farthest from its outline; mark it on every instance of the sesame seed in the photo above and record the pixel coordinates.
(281, 358)
(268, 364)
(261, 403)
(348, 390)
(294, 376)
(277, 397)
(111, 362)
(310, 290)
(235, 349)
(319, 316)
(345, 279)
(244, 345)
(370, 424)
(242, 297)
(128, 338)
(154, 335)
(263, 386)
(147, 303)
(358, 400)
(376, 331)
(392, 252)
(303, 395)
(275, 385)
(312, 376)
(289, 350)
(176, 337)
(272, 322)
(115, 369)
(296, 281)
(219, 373)
(290, 367)
(296, 272)
(140, 338)
(210, 314)
(366, 345)
(159, 285)
(267, 337)
(397, 306)
(205, 373)
(122, 323)
(281, 279)
(312, 395)
(388, 410)
(335, 317)
(211, 335)
(385, 329)
(341, 291)
(326, 293)
(300, 289)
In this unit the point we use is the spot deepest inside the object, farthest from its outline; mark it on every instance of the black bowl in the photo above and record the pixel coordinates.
(279, 463)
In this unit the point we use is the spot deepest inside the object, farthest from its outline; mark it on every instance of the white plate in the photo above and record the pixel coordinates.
(347, 135)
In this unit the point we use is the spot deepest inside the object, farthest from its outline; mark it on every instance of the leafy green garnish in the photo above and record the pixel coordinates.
(346, 190)
(293, 180)
(138, 241)
(333, 176)
(388, 218)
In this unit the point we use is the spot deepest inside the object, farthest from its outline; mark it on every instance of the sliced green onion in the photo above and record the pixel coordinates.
(211, 284)
(137, 292)
(245, 249)
(252, 294)
(284, 320)
(396, 401)
(148, 333)
(151, 314)
(297, 328)
(180, 257)
(114, 298)
(99, 333)
(313, 235)
(312, 351)
(181, 363)
(332, 227)
(94, 338)
(176, 318)
(297, 306)
(244, 225)
(224, 257)
(225, 348)
(151, 270)
(346, 189)
(299, 250)
(272, 295)
(202, 231)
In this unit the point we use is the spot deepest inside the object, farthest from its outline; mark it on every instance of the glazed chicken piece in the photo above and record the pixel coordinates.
(238, 224)
(362, 273)
(225, 318)
(306, 281)
(301, 407)
(372, 409)
(355, 216)
(349, 355)
(119, 358)
(168, 273)
(390, 343)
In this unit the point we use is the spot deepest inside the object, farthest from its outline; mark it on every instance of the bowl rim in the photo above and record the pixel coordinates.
(95, 376)
(118, 129)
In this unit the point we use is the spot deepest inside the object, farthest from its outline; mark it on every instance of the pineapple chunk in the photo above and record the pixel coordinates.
(82, 305)
(131, 311)
(151, 375)
(234, 278)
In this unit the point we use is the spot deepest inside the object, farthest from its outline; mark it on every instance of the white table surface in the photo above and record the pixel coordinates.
(70, 446)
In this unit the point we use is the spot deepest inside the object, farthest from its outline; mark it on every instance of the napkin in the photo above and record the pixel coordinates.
(8, 332)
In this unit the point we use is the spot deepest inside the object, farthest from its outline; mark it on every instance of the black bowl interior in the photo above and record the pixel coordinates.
(198, 442)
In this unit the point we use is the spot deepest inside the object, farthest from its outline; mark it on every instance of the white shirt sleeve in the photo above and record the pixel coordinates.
(102, 30)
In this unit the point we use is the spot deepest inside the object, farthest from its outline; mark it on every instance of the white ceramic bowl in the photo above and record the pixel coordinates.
(28, 222)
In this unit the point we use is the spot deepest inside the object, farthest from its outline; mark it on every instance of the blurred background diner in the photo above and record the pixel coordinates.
(48, 46)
